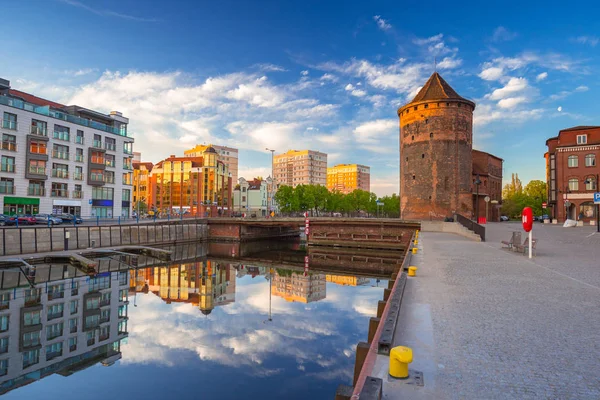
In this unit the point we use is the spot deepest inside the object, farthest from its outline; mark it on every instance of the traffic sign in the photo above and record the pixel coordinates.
(597, 198)
(544, 205)
(486, 199)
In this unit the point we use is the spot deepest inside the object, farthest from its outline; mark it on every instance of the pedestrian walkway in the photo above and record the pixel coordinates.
(485, 323)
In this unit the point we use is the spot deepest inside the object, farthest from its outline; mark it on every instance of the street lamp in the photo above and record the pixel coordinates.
(270, 192)
(567, 204)
(589, 181)
(477, 183)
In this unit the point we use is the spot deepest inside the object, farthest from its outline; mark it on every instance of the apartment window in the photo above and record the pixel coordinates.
(105, 300)
(92, 321)
(4, 301)
(39, 128)
(31, 339)
(3, 367)
(127, 163)
(55, 311)
(78, 174)
(77, 193)
(97, 175)
(99, 283)
(4, 345)
(59, 190)
(126, 195)
(590, 160)
(128, 148)
(54, 350)
(92, 304)
(127, 178)
(60, 171)
(97, 157)
(110, 144)
(32, 296)
(97, 141)
(104, 333)
(590, 183)
(54, 331)
(37, 167)
(56, 291)
(73, 306)
(73, 343)
(109, 177)
(123, 295)
(581, 139)
(79, 155)
(102, 193)
(37, 147)
(91, 338)
(73, 325)
(9, 142)
(8, 164)
(123, 278)
(122, 311)
(110, 160)
(9, 121)
(573, 161)
(31, 357)
(61, 152)
(7, 186)
(573, 184)
(61, 133)
(79, 137)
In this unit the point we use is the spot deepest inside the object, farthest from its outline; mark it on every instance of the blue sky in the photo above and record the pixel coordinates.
(327, 76)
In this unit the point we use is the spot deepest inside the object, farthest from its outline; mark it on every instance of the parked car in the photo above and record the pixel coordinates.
(23, 220)
(44, 218)
(541, 218)
(3, 219)
(68, 218)
(504, 218)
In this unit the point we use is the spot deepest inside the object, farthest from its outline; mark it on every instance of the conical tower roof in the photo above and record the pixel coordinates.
(436, 88)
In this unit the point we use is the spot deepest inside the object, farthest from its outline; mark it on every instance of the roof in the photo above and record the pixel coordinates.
(38, 101)
(580, 128)
(146, 164)
(196, 161)
(436, 88)
(489, 154)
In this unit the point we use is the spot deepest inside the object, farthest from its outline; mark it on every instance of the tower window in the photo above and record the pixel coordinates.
(426, 121)
(431, 135)
(438, 104)
(423, 155)
(414, 177)
(426, 106)
(406, 159)
(447, 104)
(446, 183)
(416, 108)
(429, 197)
(413, 137)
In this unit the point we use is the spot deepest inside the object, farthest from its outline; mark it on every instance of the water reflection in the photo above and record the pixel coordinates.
(199, 328)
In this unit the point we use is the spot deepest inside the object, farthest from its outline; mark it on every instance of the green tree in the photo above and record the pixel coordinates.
(285, 199)
(141, 207)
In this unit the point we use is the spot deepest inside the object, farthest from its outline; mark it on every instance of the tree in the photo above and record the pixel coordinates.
(285, 198)
(515, 198)
(140, 206)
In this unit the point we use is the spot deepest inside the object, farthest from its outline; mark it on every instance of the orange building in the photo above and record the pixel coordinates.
(295, 287)
(228, 155)
(141, 182)
(347, 177)
(195, 185)
(347, 280)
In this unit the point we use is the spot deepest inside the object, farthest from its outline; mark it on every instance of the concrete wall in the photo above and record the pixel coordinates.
(38, 240)
(449, 227)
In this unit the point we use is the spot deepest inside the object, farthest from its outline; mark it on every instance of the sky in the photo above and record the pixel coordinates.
(327, 76)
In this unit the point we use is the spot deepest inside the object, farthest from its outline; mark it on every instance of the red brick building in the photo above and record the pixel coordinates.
(572, 172)
(489, 169)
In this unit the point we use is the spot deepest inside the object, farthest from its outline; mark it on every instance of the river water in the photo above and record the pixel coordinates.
(206, 328)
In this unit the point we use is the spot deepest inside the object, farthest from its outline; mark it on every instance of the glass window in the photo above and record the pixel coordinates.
(9, 121)
(92, 304)
(123, 295)
(4, 300)
(92, 321)
(31, 339)
(73, 325)
(98, 283)
(588, 209)
(74, 304)
(590, 160)
(8, 164)
(126, 196)
(61, 133)
(573, 161)
(3, 323)
(3, 367)
(123, 278)
(53, 350)
(73, 343)
(31, 357)
(581, 139)
(54, 331)
(4, 345)
(55, 311)
(573, 184)
(590, 183)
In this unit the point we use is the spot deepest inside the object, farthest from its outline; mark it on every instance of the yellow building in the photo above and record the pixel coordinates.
(300, 167)
(228, 155)
(141, 183)
(191, 185)
(347, 177)
(345, 280)
(295, 287)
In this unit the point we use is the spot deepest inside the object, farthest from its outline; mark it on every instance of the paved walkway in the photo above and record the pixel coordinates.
(485, 323)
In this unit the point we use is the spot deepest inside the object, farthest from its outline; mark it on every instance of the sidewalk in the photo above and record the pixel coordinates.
(485, 323)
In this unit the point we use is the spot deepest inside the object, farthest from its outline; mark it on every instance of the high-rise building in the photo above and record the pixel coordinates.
(300, 167)
(63, 159)
(141, 183)
(297, 287)
(347, 177)
(228, 155)
(196, 185)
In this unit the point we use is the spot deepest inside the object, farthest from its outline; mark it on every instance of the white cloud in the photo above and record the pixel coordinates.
(501, 34)
(304, 73)
(354, 91)
(582, 88)
(449, 63)
(329, 77)
(349, 87)
(382, 23)
(431, 39)
(513, 86)
(491, 73)
(257, 93)
(499, 68)
(541, 77)
(591, 40)
(106, 13)
(270, 68)
(565, 93)
(488, 113)
(374, 131)
(511, 102)
(435, 45)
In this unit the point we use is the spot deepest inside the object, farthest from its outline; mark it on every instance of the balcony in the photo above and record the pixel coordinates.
(128, 167)
(37, 149)
(110, 146)
(74, 292)
(32, 300)
(127, 151)
(54, 316)
(54, 354)
(7, 168)
(60, 173)
(104, 336)
(105, 302)
(79, 158)
(110, 163)
(97, 144)
(77, 194)
(97, 177)
(10, 146)
(63, 155)
(90, 342)
(109, 179)
(7, 124)
(4, 304)
(56, 295)
(62, 136)
(73, 329)
(38, 130)
(78, 176)
(36, 191)
(37, 170)
(54, 335)
(79, 140)
(7, 189)
(64, 193)
(104, 320)
(4, 349)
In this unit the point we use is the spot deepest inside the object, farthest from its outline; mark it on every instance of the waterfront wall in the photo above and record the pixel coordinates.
(449, 227)
(38, 240)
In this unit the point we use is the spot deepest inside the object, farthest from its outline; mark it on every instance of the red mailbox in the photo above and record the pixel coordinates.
(527, 219)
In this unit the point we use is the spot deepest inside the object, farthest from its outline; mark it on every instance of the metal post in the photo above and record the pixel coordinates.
(597, 207)
(97, 220)
(530, 240)
(486, 212)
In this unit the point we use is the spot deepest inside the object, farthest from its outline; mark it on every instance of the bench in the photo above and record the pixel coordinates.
(514, 240)
(524, 248)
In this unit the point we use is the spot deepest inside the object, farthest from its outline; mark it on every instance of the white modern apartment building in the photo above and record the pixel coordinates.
(64, 321)
(62, 159)
(300, 167)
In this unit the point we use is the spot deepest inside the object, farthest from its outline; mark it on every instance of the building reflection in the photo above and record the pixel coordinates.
(296, 286)
(204, 284)
(347, 280)
(59, 321)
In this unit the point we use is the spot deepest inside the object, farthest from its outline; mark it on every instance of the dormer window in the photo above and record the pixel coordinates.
(581, 139)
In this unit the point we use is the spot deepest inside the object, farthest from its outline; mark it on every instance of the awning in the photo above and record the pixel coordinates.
(72, 203)
(21, 200)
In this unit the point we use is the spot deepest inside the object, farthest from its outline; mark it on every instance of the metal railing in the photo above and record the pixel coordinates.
(79, 158)
(97, 177)
(110, 163)
(37, 170)
(7, 189)
(38, 149)
(66, 136)
(60, 173)
(38, 130)
(78, 176)
(109, 179)
(7, 168)
(8, 124)
(97, 160)
(471, 225)
(36, 191)
(97, 144)
(60, 193)
(110, 146)
(63, 155)
(79, 140)
(77, 194)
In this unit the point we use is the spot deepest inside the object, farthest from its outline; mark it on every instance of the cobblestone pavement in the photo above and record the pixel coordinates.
(485, 323)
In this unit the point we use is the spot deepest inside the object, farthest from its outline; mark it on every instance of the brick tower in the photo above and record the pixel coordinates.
(436, 132)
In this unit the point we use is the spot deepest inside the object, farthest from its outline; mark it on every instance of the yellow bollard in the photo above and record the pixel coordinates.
(414, 250)
(416, 242)
(412, 271)
(400, 357)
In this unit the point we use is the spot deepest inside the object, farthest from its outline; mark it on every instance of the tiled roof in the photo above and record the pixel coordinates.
(34, 99)
(579, 128)
(436, 88)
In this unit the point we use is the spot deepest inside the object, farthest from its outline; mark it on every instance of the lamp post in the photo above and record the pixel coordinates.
(477, 183)
(588, 181)
(567, 204)
(270, 192)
